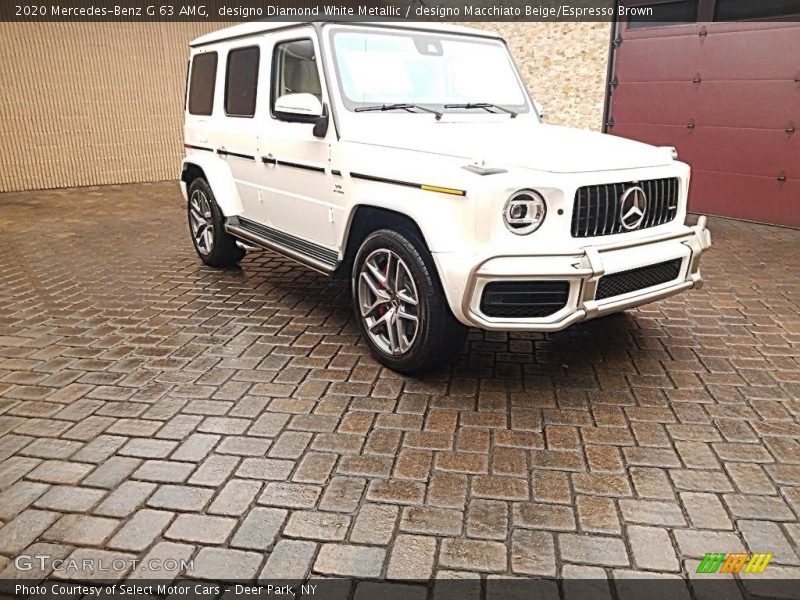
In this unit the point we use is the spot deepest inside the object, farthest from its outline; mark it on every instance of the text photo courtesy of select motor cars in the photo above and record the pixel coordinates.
(410, 160)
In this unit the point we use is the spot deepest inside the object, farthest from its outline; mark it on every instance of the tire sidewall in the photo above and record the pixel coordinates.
(412, 256)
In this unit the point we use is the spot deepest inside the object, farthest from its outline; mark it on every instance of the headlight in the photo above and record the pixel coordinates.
(524, 212)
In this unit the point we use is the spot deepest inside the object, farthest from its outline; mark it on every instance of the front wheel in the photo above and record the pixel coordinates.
(399, 305)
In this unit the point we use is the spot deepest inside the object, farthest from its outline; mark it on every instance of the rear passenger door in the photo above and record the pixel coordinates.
(237, 140)
(295, 181)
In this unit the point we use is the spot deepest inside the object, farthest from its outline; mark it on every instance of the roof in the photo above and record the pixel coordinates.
(258, 27)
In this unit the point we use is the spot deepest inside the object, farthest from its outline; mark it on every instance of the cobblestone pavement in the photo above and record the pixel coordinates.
(153, 407)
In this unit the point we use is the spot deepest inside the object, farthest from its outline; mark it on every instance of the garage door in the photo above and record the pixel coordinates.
(727, 96)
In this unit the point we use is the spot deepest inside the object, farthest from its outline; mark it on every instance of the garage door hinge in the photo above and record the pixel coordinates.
(703, 32)
(782, 176)
(690, 124)
(614, 82)
(617, 41)
(790, 128)
(610, 123)
(697, 79)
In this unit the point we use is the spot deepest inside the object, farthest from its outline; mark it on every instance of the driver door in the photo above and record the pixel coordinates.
(296, 183)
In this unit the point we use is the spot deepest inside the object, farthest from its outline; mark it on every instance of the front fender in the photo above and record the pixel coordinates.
(445, 221)
(219, 177)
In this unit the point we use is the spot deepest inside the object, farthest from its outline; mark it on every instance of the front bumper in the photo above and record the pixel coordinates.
(583, 270)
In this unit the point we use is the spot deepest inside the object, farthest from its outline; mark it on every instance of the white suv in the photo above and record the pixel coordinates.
(410, 159)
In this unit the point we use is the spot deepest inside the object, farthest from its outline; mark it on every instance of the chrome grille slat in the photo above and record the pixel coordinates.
(666, 203)
(659, 185)
(588, 213)
(596, 209)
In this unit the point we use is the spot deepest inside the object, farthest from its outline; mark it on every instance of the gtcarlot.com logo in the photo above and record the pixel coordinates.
(721, 562)
(46, 562)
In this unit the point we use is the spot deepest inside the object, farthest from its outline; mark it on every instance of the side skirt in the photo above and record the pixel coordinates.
(309, 254)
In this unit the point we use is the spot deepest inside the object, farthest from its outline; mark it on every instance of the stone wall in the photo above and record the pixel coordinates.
(95, 104)
(564, 66)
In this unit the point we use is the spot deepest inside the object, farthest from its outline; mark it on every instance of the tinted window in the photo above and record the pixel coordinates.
(241, 82)
(295, 70)
(201, 86)
(666, 13)
(739, 10)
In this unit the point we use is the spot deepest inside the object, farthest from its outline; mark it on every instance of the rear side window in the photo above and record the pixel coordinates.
(295, 70)
(241, 82)
(201, 84)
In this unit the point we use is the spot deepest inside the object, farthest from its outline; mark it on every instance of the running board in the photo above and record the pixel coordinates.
(317, 257)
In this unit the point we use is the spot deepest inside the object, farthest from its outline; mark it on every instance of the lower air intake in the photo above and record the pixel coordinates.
(524, 299)
(642, 278)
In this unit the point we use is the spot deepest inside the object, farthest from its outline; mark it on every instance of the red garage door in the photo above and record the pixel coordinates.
(727, 96)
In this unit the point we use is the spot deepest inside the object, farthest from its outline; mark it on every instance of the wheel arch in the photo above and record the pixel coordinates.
(365, 219)
(218, 176)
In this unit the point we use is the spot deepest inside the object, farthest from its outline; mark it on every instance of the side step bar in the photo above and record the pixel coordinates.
(312, 255)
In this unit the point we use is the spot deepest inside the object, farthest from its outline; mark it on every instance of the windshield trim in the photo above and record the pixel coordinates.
(525, 108)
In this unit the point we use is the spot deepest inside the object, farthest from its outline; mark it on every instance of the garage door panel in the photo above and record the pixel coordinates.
(715, 103)
(747, 96)
(752, 198)
(769, 53)
(756, 152)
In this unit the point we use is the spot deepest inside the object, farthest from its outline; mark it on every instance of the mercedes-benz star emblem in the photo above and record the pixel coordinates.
(632, 207)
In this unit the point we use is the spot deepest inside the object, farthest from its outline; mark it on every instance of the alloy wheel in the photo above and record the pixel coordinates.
(201, 222)
(388, 302)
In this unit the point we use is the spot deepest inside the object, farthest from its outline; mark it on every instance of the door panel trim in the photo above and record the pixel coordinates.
(269, 160)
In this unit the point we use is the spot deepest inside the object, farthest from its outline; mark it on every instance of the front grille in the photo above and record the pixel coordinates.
(642, 278)
(524, 299)
(597, 211)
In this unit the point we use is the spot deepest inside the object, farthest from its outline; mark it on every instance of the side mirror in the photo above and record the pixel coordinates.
(321, 124)
(539, 108)
(298, 108)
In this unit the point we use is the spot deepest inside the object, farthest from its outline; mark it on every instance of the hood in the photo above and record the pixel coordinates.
(520, 142)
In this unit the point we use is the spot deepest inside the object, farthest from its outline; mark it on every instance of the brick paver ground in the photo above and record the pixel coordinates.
(153, 407)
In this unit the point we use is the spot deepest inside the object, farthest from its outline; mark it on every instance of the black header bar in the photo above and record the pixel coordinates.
(652, 11)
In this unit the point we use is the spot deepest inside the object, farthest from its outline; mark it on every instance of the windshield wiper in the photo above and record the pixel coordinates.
(399, 106)
(487, 106)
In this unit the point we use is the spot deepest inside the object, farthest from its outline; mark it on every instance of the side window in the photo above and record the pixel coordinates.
(241, 82)
(294, 70)
(201, 84)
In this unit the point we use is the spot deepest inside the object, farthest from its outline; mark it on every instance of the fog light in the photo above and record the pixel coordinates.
(524, 212)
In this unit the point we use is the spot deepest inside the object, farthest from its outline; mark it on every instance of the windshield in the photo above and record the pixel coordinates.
(376, 68)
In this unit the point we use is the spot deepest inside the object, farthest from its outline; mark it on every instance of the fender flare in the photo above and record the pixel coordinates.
(220, 179)
(422, 214)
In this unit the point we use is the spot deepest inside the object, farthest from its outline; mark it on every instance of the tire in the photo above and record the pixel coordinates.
(391, 269)
(215, 246)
